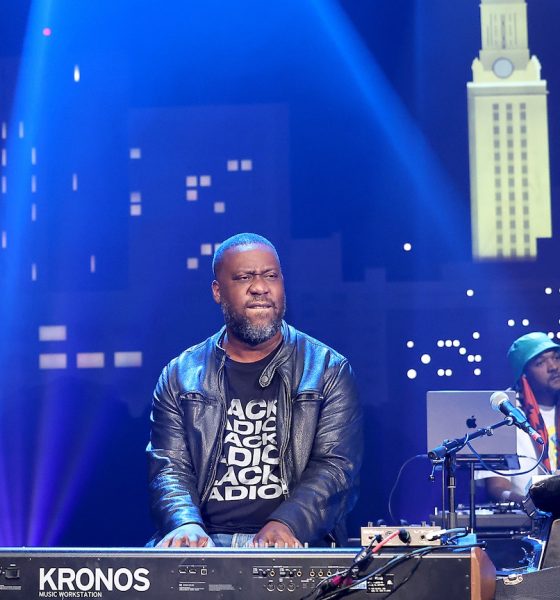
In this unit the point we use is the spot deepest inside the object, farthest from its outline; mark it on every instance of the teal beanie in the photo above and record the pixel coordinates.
(527, 347)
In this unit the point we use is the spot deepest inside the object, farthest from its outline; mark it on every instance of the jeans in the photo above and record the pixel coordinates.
(232, 540)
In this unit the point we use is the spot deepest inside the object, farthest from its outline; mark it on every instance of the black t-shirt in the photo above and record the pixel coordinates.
(247, 487)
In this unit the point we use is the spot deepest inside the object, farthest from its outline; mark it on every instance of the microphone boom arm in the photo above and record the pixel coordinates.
(449, 447)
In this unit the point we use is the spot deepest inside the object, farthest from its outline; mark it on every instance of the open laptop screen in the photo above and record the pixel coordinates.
(452, 414)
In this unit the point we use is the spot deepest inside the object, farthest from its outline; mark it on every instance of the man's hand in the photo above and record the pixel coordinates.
(190, 535)
(277, 535)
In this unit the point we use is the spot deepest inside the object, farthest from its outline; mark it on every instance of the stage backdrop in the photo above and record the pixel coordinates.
(411, 192)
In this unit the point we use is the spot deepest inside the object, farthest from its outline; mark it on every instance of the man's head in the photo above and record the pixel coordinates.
(538, 357)
(249, 287)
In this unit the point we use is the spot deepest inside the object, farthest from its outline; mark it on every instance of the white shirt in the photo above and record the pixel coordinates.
(528, 456)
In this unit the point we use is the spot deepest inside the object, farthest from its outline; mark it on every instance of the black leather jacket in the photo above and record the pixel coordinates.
(319, 429)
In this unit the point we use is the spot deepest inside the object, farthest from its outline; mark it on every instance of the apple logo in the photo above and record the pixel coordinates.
(471, 422)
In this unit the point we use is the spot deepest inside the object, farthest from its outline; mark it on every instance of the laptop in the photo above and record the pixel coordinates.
(452, 414)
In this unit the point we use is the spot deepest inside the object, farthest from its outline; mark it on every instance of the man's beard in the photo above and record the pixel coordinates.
(251, 333)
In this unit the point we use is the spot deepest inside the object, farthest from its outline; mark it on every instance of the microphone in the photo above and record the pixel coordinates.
(500, 402)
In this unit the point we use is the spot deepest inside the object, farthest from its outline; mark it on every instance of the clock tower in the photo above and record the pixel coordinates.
(508, 138)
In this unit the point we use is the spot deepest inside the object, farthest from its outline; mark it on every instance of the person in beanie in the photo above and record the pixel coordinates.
(535, 361)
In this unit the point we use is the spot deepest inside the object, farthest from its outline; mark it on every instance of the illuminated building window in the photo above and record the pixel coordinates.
(127, 359)
(53, 333)
(53, 361)
(90, 360)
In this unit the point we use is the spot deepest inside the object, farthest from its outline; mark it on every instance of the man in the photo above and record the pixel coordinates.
(535, 360)
(256, 430)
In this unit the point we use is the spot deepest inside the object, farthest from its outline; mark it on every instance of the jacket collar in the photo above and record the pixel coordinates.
(287, 349)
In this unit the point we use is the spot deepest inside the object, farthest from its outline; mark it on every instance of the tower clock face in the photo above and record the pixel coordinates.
(502, 67)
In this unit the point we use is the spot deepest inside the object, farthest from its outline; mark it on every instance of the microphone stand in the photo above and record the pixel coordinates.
(445, 454)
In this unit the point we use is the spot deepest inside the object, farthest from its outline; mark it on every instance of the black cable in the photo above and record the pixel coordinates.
(419, 552)
(380, 571)
(394, 488)
(507, 473)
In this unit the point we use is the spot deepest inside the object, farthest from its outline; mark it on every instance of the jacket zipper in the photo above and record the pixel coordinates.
(214, 467)
(284, 443)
